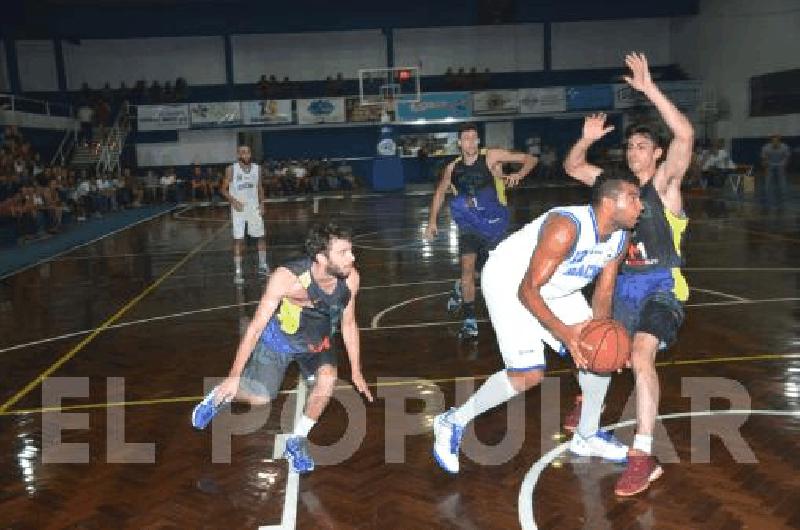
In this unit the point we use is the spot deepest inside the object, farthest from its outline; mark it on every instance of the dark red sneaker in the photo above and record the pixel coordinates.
(641, 471)
(572, 419)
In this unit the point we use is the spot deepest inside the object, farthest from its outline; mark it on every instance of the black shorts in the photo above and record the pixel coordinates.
(473, 243)
(263, 374)
(646, 303)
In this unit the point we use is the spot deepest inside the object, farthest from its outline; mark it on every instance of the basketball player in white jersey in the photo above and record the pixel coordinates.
(532, 286)
(242, 188)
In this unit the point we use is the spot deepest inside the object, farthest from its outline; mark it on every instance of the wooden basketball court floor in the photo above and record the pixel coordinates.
(124, 331)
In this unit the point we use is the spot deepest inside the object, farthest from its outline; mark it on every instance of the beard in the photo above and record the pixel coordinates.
(336, 272)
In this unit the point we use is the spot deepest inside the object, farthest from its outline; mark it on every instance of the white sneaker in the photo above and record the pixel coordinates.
(447, 441)
(602, 444)
(238, 278)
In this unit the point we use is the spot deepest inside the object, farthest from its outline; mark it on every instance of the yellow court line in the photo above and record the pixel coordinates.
(102, 327)
(193, 399)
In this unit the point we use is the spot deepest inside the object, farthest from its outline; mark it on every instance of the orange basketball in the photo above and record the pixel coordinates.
(612, 346)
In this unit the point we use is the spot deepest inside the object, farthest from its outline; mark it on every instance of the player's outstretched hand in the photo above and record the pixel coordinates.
(640, 72)
(594, 126)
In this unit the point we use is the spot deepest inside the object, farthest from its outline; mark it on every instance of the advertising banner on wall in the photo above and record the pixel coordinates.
(542, 100)
(320, 110)
(495, 102)
(217, 114)
(684, 94)
(436, 106)
(267, 111)
(356, 112)
(590, 97)
(162, 117)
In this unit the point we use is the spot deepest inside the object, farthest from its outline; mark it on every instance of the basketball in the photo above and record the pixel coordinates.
(612, 346)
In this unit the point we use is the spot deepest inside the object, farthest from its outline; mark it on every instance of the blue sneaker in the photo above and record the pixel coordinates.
(206, 410)
(447, 441)
(455, 300)
(297, 455)
(469, 329)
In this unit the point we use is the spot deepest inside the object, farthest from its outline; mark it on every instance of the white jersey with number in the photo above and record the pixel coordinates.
(244, 184)
(520, 335)
(589, 254)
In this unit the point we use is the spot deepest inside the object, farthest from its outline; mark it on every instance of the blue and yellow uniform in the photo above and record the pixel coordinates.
(297, 333)
(479, 206)
(651, 289)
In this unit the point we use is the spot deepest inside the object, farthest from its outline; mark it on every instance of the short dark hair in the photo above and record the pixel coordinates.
(464, 127)
(320, 235)
(608, 184)
(644, 129)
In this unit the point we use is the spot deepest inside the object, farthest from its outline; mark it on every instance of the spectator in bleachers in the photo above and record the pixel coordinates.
(85, 116)
(168, 183)
(83, 198)
(717, 164)
(53, 205)
(155, 92)
(262, 87)
(200, 183)
(775, 157)
(134, 186)
(181, 89)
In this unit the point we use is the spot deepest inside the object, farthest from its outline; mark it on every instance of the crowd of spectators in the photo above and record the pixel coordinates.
(37, 198)
(463, 79)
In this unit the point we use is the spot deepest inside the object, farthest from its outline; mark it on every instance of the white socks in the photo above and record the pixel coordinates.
(593, 389)
(262, 258)
(303, 426)
(237, 263)
(644, 443)
(495, 391)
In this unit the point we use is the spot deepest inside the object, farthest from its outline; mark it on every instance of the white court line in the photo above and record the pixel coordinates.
(187, 313)
(381, 328)
(377, 318)
(718, 293)
(289, 513)
(72, 249)
(526, 491)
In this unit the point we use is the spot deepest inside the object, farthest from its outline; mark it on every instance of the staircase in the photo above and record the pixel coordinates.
(103, 154)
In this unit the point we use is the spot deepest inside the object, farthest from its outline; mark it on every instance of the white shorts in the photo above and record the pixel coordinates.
(520, 336)
(250, 217)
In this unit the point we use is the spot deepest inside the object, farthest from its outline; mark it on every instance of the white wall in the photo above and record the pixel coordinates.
(604, 43)
(733, 40)
(37, 65)
(306, 56)
(200, 60)
(507, 48)
(203, 147)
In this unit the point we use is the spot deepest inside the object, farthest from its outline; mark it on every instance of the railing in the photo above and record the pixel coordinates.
(10, 102)
(66, 147)
(112, 144)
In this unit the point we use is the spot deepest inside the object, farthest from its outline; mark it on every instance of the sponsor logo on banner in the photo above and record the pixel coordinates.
(216, 114)
(590, 97)
(495, 102)
(162, 117)
(684, 94)
(268, 111)
(542, 100)
(356, 112)
(320, 110)
(436, 106)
